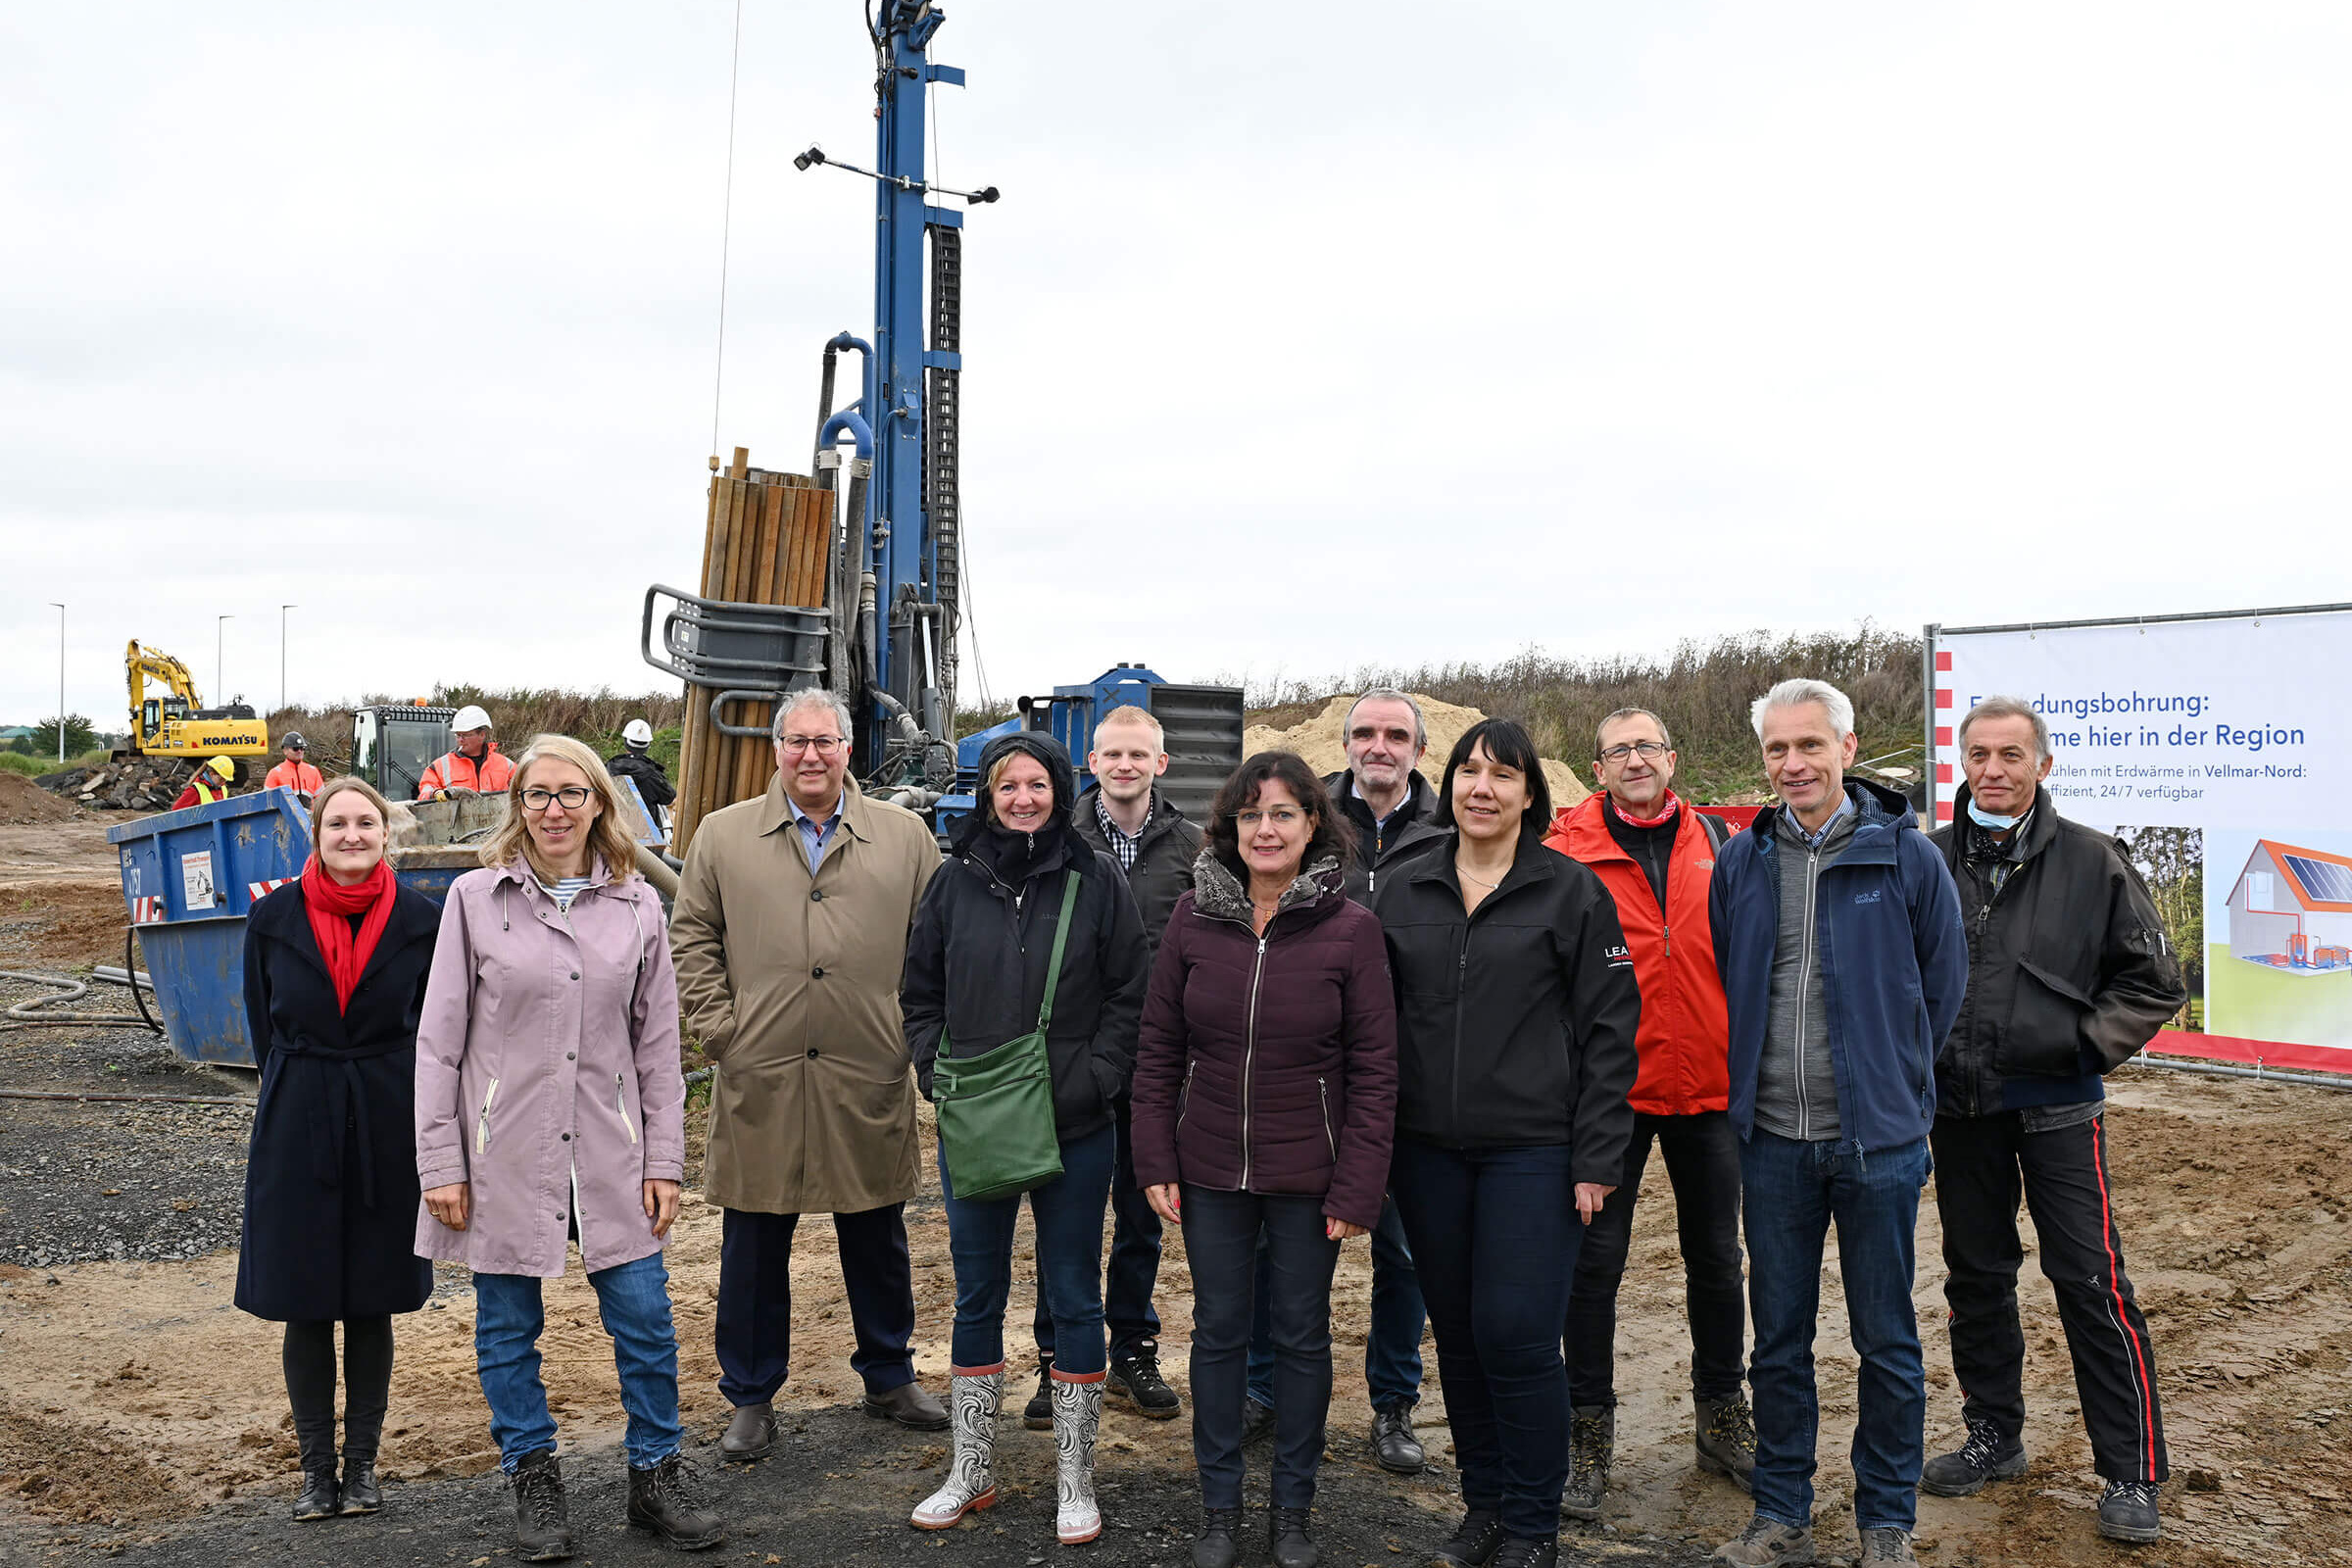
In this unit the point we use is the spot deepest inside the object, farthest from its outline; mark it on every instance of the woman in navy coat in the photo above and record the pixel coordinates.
(335, 967)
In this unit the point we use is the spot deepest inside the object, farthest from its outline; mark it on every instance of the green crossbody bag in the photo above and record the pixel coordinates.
(995, 1109)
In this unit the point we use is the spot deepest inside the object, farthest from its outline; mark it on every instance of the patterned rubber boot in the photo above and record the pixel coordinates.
(973, 1398)
(1077, 1413)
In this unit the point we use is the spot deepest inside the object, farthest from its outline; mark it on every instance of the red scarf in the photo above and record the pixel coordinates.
(1664, 816)
(330, 907)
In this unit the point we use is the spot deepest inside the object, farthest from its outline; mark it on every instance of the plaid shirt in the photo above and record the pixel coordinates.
(1122, 845)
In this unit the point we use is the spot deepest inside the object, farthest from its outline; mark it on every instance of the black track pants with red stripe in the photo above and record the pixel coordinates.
(1982, 1163)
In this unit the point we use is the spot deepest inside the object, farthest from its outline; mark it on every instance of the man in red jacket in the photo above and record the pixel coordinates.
(1658, 857)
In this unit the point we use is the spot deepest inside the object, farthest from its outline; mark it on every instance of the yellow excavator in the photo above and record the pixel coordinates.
(179, 724)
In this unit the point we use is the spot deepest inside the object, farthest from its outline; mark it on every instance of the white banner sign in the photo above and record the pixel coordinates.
(2221, 751)
(2199, 723)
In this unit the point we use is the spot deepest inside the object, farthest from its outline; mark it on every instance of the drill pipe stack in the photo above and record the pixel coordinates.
(766, 540)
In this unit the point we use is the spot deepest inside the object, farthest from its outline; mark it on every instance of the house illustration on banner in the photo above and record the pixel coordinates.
(2291, 910)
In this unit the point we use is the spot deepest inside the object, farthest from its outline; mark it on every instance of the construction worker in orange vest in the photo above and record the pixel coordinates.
(210, 784)
(294, 772)
(476, 765)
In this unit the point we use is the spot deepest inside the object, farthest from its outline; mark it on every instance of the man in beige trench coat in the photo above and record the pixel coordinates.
(789, 934)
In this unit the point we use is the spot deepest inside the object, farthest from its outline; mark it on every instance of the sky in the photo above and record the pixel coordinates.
(1304, 338)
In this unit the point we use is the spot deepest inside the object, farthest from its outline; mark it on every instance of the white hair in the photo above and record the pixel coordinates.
(1796, 693)
(2009, 708)
(1389, 694)
(811, 697)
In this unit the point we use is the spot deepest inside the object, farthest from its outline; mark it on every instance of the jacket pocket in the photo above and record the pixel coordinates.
(2043, 1037)
(1184, 1093)
(621, 1103)
(1331, 1139)
(481, 1130)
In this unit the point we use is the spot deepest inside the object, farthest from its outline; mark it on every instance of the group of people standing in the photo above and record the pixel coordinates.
(1452, 1020)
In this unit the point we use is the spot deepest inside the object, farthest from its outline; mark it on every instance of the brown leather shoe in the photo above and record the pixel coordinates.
(749, 1435)
(909, 1405)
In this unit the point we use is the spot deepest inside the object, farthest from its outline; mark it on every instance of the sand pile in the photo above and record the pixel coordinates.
(1322, 741)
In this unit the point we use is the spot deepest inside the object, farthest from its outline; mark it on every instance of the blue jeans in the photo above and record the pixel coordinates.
(633, 1301)
(1791, 1190)
(1496, 1233)
(1393, 1340)
(1229, 1237)
(1133, 1272)
(1068, 1213)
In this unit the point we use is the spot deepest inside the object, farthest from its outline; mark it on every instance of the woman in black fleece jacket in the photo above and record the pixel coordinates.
(1516, 1020)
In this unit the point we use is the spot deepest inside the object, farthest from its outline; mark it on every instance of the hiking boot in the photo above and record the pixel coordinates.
(361, 1494)
(1038, 1414)
(1765, 1543)
(318, 1498)
(542, 1524)
(1135, 1378)
(1986, 1456)
(1287, 1538)
(1518, 1551)
(1474, 1541)
(1592, 1448)
(1257, 1421)
(1214, 1546)
(2127, 1511)
(667, 1499)
(750, 1432)
(1726, 1439)
(1393, 1446)
(1887, 1544)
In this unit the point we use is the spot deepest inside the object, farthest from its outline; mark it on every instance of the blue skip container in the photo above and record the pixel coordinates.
(190, 877)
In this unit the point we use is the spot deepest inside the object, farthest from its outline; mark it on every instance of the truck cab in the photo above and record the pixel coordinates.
(392, 745)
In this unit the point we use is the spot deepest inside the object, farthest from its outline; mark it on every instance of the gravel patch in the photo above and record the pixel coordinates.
(85, 1181)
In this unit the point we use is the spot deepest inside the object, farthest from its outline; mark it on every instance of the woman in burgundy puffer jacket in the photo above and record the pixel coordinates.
(1265, 1097)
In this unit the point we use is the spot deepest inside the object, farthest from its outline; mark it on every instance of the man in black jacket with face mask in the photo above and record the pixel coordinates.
(2069, 975)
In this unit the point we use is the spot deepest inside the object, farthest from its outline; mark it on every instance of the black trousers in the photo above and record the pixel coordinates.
(1702, 1166)
(308, 1358)
(1221, 1233)
(754, 1324)
(1981, 1162)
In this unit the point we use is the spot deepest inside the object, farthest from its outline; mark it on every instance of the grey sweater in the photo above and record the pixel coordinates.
(1796, 1085)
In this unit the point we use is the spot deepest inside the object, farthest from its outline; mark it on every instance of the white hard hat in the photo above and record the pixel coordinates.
(637, 732)
(470, 718)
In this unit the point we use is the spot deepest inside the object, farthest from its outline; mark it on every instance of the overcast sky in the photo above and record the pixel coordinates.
(1305, 336)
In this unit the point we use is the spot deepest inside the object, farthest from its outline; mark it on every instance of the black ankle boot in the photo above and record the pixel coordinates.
(1291, 1545)
(1214, 1546)
(319, 1497)
(361, 1494)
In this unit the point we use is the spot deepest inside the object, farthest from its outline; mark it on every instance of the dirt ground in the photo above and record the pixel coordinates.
(142, 1416)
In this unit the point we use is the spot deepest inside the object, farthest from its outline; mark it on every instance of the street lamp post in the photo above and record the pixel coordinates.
(61, 681)
(219, 637)
(281, 653)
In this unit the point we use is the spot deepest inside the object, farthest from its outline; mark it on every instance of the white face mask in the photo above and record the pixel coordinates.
(1989, 821)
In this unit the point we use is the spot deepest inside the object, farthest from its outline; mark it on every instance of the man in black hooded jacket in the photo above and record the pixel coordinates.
(2069, 975)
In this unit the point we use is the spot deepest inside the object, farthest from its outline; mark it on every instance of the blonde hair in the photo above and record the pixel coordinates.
(1132, 715)
(609, 839)
(349, 783)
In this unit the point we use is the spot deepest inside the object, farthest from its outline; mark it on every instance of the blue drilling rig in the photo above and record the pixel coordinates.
(886, 641)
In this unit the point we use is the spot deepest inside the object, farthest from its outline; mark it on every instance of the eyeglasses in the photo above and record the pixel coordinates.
(1650, 751)
(572, 795)
(1284, 817)
(821, 744)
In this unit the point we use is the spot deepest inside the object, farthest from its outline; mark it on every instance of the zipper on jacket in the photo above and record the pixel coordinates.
(481, 1134)
(1461, 984)
(1805, 985)
(1184, 1093)
(1250, 1051)
(621, 1103)
(1323, 1089)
